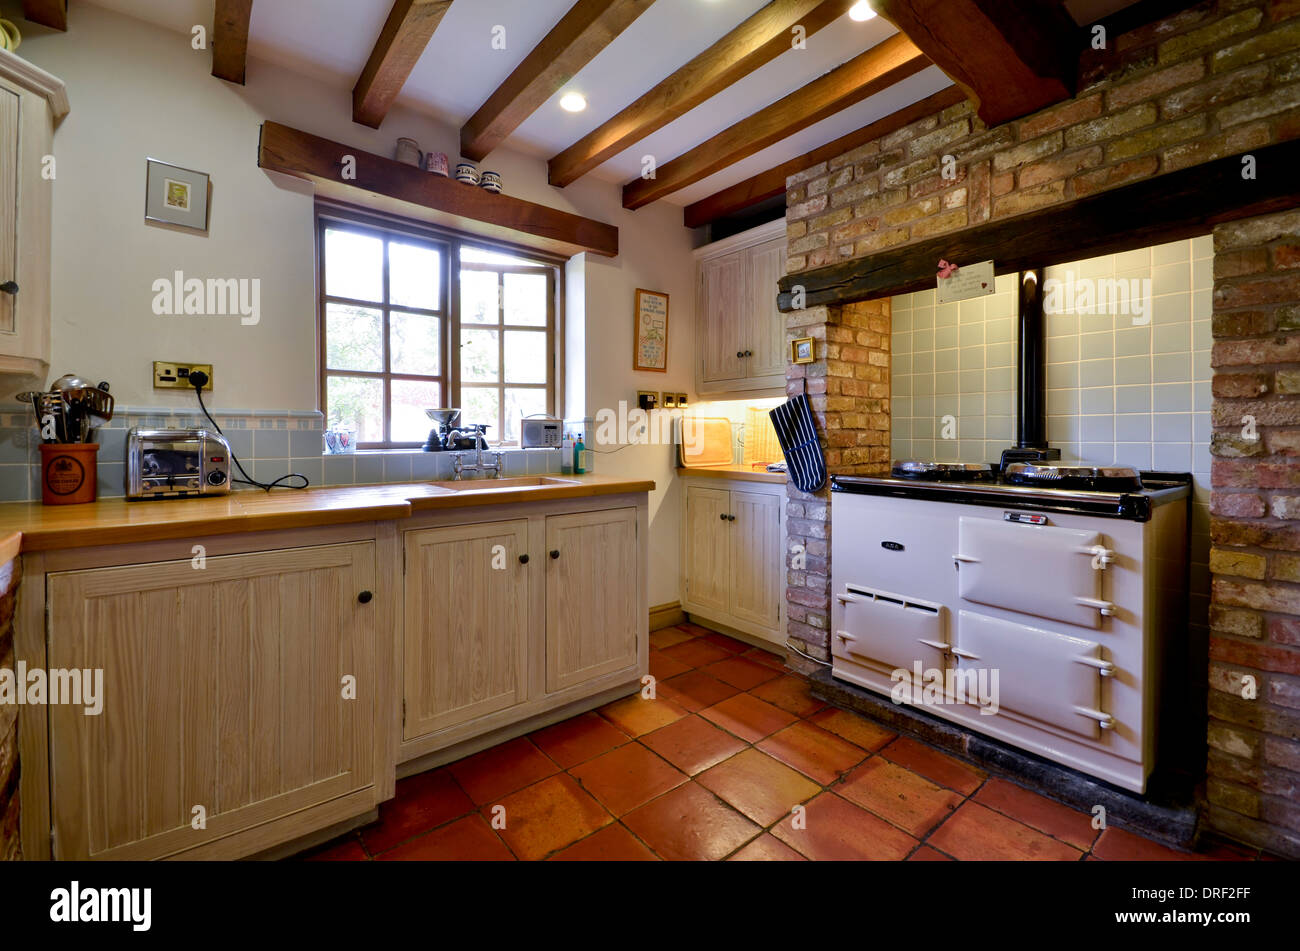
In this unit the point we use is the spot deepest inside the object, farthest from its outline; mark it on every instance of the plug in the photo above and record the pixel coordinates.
(198, 379)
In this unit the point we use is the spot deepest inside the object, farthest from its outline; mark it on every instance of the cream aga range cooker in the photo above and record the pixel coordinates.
(1061, 587)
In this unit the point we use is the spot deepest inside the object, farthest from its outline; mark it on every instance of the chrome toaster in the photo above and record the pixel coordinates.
(174, 463)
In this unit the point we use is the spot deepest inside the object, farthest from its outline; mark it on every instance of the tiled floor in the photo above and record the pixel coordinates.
(713, 769)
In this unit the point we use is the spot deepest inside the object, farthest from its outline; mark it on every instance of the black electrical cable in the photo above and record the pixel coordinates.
(197, 380)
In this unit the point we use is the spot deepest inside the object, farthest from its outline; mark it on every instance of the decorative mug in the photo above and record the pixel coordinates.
(490, 181)
(339, 441)
(467, 173)
(408, 152)
(436, 163)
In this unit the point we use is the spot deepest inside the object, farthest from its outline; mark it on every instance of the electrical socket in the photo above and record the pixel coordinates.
(647, 396)
(175, 376)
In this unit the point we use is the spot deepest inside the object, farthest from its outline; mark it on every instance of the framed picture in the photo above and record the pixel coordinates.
(801, 350)
(650, 335)
(176, 196)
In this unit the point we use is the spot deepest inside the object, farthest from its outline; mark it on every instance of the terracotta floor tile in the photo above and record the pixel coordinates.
(611, 844)
(423, 802)
(836, 830)
(692, 744)
(662, 666)
(466, 840)
(694, 629)
(1045, 815)
(792, 694)
(635, 716)
(927, 854)
(748, 717)
(759, 786)
(930, 763)
(767, 848)
(1120, 845)
(696, 690)
(909, 801)
(346, 849)
(975, 833)
(500, 770)
(766, 658)
(856, 729)
(550, 815)
(728, 644)
(813, 751)
(668, 636)
(696, 652)
(624, 778)
(741, 673)
(690, 824)
(578, 739)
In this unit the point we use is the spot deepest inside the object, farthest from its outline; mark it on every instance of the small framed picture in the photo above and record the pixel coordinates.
(176, 196)
(801, 350)
(650, 336)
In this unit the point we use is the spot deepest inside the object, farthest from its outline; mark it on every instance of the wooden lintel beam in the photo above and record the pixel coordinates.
(51, 13)
(407, 31)
(230, 22)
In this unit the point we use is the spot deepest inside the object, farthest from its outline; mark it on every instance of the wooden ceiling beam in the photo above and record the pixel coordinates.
(230, 22)
(1012, 57)
(865, 75)
(759, 40)
(407, 31)
(588, 27)
(769, 184)
(51, 13)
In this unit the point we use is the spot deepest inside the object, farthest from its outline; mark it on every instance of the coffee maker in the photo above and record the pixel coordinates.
(440, 437)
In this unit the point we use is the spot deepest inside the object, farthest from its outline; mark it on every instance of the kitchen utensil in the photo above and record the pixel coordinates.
(705, 441)
(444, 418)
(466, 172)
(490, 181)
(407, 152)
(793, 422)
(437, 163)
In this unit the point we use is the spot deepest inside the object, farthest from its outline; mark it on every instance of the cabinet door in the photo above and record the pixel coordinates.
(764, 327)
(591, 596)
(721, 301)
(756, 567)
(223, 691)
(10, 103)
(707, 546)
(466, 634)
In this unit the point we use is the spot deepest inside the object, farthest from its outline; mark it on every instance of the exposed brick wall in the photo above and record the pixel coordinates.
(1254, 757)
(1215, 80)
(10, 846)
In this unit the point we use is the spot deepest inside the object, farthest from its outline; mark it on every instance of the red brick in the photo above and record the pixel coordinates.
(1114, 175)
(1237, 504)
(1058, 117)
(1264, 597)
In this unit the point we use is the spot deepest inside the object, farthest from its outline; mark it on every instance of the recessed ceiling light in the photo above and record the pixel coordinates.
(861, 11)
(573, 102)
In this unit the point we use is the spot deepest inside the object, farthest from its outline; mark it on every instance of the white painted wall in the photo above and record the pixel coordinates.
(140, 91)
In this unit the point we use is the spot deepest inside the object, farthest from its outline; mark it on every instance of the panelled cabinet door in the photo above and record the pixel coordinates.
(225, 697)
(722, 299)
(591, 596)
(466, 650)
(10, 106)
(756, 560)
(707, 543)
(764, 330)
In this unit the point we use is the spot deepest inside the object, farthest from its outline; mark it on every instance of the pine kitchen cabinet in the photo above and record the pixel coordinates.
(740, 332)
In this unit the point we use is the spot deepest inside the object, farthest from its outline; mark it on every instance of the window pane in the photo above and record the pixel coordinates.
(526, 299)
(358, 403)
(520, 403)
(478, 297)
(526, 360)
(353, 338)
(478, 356)
(410, 399)
(414, 276)
(480, 404)
(480, 256)
(354, 265)
(414, 343)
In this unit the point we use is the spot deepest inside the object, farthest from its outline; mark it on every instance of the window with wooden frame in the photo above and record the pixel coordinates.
(415, 318)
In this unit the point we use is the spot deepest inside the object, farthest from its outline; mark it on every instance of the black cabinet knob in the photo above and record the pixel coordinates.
(9, 287)
(555, 553)
(523, 559)
(731, 518)
(364, 597)
(739, 354)
(723, 516)
(749, 353)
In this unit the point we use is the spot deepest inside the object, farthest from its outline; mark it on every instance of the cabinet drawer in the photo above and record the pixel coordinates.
(890, 631)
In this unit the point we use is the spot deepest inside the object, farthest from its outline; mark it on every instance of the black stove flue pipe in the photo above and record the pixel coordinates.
(1031, 394)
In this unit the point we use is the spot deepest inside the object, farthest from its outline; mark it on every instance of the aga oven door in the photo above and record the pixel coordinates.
(1044, 570)
(889, 631)
(1051, 677)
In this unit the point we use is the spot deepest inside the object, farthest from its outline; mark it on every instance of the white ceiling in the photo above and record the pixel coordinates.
(331, 40)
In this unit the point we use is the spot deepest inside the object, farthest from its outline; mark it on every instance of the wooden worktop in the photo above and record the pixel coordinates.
(739, 472)
(117, 521)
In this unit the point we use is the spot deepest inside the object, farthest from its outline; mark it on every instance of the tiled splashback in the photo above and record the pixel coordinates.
(1119, 389)
(269, 444)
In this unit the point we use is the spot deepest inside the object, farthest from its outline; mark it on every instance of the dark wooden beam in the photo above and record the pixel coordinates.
(588, 27)
(861, 77)
(407, 31)
(51, 13)
(765, 185)
(392, 187)
(230, 39)
(759, 40)
(1170, 207)
(1013, 57)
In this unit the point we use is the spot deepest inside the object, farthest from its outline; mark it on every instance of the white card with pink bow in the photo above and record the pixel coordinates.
(962, 282)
